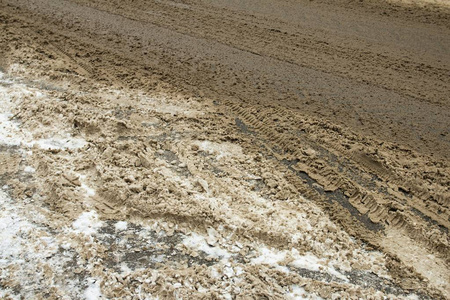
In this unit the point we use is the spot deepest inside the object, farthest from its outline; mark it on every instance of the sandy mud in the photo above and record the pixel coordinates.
(224, 149)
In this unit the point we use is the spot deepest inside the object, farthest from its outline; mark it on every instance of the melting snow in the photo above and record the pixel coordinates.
(29, 169)
(198, 242)
(65, 142)
(11, 134)
(299, 293)
(12, 227)
(87, 223)
(121, 225)
(308, 261)
(89, 191)
(221, 150)
(93, 291)
(26, 245)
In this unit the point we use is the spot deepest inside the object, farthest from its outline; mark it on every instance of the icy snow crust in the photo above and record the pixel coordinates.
(87, 223)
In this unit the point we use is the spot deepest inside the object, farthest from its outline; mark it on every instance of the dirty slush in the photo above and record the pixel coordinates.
(213, 149)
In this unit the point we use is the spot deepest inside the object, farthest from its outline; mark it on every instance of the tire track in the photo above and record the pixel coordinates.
(373, 207)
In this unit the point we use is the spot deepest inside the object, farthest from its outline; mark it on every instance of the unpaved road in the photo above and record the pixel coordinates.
(246, 143)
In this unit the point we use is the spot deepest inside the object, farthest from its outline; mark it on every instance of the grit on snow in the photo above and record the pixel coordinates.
(93, 257)
(29, 250)
(35, 255)
(11, 134)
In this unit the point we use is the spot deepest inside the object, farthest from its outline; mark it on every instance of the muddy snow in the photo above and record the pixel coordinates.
(75, 234)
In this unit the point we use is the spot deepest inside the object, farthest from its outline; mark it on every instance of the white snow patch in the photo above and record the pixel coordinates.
(87, 223)
(93, 291)
(308, 261)
(214, 273)
(198, 242)
(227, 296)
(9, 130)
(220, 149)
(89, 191)
(269, 257)
(29, 169)
(413, 297)
(177, 285)
(300, 293)
(238, 271)
(64, 142)
(121, 225)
